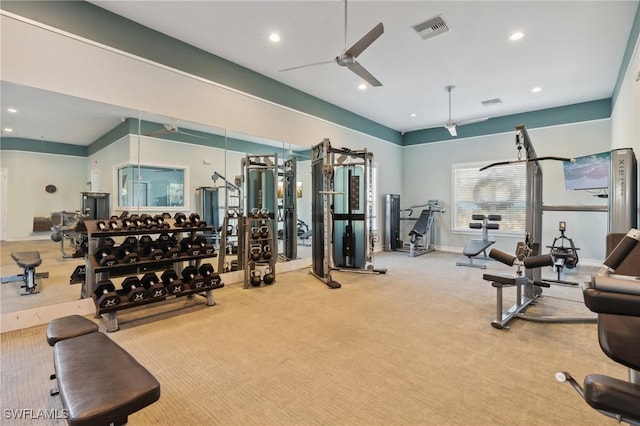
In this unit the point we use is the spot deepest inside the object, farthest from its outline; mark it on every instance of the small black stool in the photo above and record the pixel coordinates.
(27, 260)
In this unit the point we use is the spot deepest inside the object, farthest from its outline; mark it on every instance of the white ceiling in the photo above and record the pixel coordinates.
(572, 50)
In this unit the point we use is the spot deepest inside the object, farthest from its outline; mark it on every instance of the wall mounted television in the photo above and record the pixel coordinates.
(588, 172)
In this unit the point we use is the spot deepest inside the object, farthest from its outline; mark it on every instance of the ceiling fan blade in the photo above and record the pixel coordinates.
(364, 74)
(191, 134)
(365, 41)
(472, 121)
(308, 65)
(157, 132)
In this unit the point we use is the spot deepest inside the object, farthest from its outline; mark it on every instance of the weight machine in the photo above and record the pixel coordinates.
(563, 256)
(342, 211)
(622, 215)
(474, 247)
(423, 233)
(70, 227)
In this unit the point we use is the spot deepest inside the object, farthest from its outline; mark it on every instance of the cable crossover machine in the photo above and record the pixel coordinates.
(342, 211)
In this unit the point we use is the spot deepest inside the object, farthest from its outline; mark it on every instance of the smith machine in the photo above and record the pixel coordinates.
(342, 211)
(622, 216)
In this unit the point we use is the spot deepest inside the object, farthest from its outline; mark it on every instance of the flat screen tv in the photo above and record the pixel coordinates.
(587, 172)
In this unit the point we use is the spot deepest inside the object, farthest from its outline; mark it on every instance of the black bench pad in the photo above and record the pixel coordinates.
(99, 382)
(504, 280)
(68, 327)
(612, 395)
(27, 259)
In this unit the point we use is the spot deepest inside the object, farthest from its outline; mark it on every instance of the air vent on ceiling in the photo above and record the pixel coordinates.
(493, 101)
(431, 27)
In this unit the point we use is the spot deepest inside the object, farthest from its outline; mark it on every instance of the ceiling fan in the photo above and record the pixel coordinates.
(347, 57)
(172, 128)
(450, 125)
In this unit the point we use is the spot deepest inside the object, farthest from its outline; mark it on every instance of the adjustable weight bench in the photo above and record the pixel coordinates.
(98, 381)
(28, 260)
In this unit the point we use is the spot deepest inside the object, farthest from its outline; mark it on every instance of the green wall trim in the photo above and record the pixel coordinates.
(586, 111)
(94, 23)
(626, 59)
(118, 132)
(41, 146)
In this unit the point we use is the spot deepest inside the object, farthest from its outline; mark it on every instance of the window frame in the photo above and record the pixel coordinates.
(186, 198)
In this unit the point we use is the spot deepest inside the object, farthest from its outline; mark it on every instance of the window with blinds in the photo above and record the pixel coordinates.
(498, 190)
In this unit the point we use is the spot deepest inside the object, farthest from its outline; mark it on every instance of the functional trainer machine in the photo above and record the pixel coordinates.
(616, 299)
(474, 247)
(622, 214)
(342, 211)
(423, 234)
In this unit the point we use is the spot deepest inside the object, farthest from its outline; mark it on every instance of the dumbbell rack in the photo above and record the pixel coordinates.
(250, 265)
(96, 272)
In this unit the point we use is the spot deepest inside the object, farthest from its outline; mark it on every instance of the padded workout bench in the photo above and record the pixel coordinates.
(92, 393)
(28, 260)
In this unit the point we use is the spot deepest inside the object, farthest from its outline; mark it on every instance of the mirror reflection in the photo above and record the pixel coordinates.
(66, 159)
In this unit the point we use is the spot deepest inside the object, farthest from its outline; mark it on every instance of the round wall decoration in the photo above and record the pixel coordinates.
(50, 188)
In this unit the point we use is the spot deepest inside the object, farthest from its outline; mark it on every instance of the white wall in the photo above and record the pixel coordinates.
(427, 174)
(625, 127)
(28, 174)
(81, 69)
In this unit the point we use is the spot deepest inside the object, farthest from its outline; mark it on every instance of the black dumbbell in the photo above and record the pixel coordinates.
(105, 257)
(148, 221)
(181, 220)
(134, 290)
(106, 295)
(128, 224)
(195, 220)
(190, 247)
(145, 239)
(234, 265)
(172, 251)
(102, 225)
(109, 242)
(171, 282)
(151, 283)
(128, 254)
(190, 276)
(113, 225)
(160, 221)
(207, 248)
(211, 279)
(154, 252)
(130, 241)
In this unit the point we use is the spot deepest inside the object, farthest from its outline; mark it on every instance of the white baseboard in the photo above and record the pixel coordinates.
(11, 321)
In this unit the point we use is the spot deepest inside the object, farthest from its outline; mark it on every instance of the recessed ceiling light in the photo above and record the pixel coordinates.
(8, 129)
(362, 86)
(536, 90)
(516, 36)
(274, 37)
(12, 110)
(413, 114)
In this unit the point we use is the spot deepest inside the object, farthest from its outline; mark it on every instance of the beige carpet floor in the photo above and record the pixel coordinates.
(414, 346)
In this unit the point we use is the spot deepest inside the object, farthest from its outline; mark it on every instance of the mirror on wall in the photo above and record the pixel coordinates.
(147, 163)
